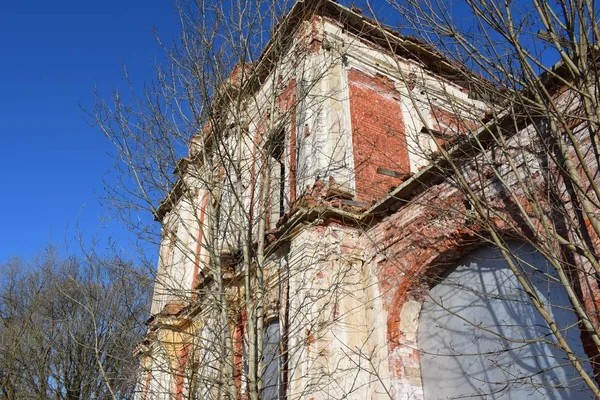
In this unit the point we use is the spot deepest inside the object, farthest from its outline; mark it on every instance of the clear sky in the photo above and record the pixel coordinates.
(52, 163)
(52, 54)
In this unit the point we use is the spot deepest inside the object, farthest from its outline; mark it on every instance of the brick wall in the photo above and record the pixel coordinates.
(378, 134)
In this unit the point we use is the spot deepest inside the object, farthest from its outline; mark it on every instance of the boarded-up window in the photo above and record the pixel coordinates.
(271, 361)
(480, 336)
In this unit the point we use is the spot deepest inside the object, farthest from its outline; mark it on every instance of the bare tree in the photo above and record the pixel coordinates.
(271, 249)
(222, 286)
(69, 327)
(523, 165)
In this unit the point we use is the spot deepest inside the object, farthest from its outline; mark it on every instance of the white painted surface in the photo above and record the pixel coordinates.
(460, 359)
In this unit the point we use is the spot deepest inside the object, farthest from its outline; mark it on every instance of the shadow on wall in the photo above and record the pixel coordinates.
(480, 336)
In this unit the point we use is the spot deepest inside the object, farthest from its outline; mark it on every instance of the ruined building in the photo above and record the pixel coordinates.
(315, 245)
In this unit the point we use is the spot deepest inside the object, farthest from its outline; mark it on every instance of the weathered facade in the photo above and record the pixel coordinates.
(358, 231)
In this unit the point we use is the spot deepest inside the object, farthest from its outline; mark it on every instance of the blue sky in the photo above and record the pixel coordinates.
(52, 54)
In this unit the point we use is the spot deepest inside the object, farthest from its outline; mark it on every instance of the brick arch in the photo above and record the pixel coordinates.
(413, 246)
(430, 258)
(405, 294)
(427, 255)
(429, 261)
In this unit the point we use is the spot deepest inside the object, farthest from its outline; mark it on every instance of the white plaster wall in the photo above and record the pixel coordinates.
(480, 336)
(338, 346)
(161, 382)
(161, 284)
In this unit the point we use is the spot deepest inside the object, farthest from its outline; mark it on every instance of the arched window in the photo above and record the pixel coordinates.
(480, 336)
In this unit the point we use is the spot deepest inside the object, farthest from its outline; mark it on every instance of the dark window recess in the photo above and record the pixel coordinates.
(277, 155)
(389, 172)
(436, 134)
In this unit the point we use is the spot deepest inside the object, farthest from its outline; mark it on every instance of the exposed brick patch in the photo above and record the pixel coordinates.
(182, 359)
(173, 308)
(449, 123)
(378, 134)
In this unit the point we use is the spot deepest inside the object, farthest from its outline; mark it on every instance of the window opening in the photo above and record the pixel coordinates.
(277, 171)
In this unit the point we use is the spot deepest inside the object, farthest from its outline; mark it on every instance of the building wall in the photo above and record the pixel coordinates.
(340, 109)
(335, 314)
(507, 360)
(412, 247)
(348, 290)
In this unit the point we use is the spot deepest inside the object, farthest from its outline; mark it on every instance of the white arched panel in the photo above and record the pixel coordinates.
(480, 336)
